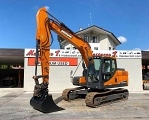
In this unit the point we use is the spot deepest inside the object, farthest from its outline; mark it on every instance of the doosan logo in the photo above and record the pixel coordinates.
(65, 33)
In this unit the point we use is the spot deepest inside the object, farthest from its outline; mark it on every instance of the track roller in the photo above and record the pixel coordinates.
(95, 99)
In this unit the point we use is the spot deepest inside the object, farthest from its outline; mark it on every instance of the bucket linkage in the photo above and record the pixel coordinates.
(43, 101)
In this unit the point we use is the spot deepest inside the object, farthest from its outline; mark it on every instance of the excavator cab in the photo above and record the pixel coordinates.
(101, 74)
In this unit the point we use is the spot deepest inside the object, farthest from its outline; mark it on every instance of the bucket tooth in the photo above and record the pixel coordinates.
(44, 104)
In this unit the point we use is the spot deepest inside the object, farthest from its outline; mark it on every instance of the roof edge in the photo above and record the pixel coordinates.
(101, 29)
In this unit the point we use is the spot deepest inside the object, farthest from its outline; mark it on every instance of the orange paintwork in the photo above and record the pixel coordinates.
(82, 80)
(122, 73)
(119, 77)
(42, 35)
(72, 61)
(44, 26)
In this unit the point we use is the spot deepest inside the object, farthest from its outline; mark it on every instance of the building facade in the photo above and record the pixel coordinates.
(64, 61)
(98, 38)
(102, 42)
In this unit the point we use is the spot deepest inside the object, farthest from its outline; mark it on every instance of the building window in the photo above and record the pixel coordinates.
(86, 38)
(113, 48)
(109, 48)
(95, 39)
(68, 48)
(74, 48)
(95, 48)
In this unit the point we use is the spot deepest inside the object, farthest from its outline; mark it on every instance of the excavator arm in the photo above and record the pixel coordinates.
(45, 25)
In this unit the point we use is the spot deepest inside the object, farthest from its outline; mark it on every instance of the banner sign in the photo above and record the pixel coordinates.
(76, 53)
(54, 53)
(55, 61)
(119, 54)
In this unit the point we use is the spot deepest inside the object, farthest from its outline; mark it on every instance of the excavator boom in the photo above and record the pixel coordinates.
(41, 100)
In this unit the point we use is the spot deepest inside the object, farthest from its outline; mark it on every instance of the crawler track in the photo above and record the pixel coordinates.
(70, 94)
(95, 99)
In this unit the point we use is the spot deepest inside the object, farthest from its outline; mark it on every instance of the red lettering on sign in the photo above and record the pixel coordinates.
(113, 54)
(31, 53)
(51, 54)
(57, 52)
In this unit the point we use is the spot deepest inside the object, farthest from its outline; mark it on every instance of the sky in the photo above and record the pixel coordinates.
(128, 20)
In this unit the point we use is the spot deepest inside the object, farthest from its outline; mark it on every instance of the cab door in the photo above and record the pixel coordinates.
(109, 67)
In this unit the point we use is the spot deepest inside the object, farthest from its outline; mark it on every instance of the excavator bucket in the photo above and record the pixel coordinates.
(45, 105)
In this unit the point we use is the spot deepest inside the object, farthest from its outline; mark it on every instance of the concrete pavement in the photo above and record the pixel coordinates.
(14, 105)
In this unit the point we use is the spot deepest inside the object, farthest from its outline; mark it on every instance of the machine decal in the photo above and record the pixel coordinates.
(65, 33)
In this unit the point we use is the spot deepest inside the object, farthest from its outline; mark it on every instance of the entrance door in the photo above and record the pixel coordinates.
(11, 78)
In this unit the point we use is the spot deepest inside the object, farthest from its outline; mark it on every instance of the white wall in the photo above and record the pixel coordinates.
(134, 68)
(111, 43)
(104, 42)
(60, 75)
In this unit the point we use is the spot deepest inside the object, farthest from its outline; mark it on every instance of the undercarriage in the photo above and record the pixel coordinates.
(43, 101)
(95, 97)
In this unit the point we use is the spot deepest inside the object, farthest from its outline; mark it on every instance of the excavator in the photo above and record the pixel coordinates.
(101, 81)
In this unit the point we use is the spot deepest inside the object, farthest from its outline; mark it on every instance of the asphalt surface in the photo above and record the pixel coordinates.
(14, 105)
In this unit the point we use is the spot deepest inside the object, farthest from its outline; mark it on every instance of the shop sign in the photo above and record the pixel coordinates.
(129, 54)
(76, 53)
(54, 53)
(119, 54)
(56, 61)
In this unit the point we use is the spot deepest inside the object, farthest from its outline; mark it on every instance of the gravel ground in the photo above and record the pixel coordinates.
(15, 106)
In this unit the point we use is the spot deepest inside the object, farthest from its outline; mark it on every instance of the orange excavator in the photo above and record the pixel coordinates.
(101, 80)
